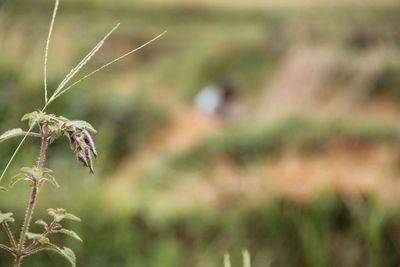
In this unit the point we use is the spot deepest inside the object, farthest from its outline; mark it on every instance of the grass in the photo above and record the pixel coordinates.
(247, 143)
(328, 231)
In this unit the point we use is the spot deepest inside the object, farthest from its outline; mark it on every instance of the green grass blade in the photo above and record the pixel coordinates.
(82, 63)
(47, 48)
(15, 152)
(106, 65)
(18, 147)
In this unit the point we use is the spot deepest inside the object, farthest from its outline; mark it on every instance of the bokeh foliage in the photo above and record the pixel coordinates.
(132, 103)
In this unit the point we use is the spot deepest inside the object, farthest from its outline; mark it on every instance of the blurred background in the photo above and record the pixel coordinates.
(271, 126)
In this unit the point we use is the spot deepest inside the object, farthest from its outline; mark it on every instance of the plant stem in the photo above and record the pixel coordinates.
(32, 202)
(43, 149)
(48, 231)
(9, 234)
(28, 217)
(7, 248)
(17, 262)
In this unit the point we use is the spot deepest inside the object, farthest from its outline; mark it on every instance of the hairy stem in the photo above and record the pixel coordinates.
(18, 261)
(6, 248)
(9, 234)
(32, 202)
(48, 231)
(28, 217)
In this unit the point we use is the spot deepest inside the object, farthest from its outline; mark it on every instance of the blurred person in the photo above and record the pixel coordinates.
(215, 100)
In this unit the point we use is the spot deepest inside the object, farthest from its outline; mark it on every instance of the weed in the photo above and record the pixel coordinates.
(49, 128)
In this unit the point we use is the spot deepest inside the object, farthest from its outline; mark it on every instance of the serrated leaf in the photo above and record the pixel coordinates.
(57, 226)
(64, 119)
(72, 217)
(65, 252)
(44, 170)
(41, 222)
(57, 214)
(33, 235)
(36, 173)
(51, 179)
(6, 217)
(29, 116)
(43, 240)
(16, 178)
(38, 237)
(27, 170)
(32, 117)
(26, 116)
(60, 214)
(70, 255)
(83, 125)
(71, 234)
(11, 133)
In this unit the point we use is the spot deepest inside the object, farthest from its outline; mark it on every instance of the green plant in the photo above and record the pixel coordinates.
(246, 259)
(49, 128)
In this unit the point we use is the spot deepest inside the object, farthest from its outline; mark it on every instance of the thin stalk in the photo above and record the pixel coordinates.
(35, 250)
(28, 217)
(6, 248)
(82, 63)
(47, 49)
(61, 90)
(32, 202)
(15, 152)
(19, 146)
(9, 234)
(18, 261)
(48, 231)
(58, 93)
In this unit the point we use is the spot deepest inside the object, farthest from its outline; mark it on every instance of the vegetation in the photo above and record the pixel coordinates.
(50, 128)
(135, 205)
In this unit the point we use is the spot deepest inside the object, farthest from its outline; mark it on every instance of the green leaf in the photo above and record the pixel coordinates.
(32, 117)
(57, 214)
(71, 234)
(41, 222)
(44, 170)
(6, 217)
(11, 133)
(27, 170)
(60, 214)
(16, 178)
(65, 252)
(3, 189)
(33, 235)
(51, 179)
(70, 255)
(63, 118)
(29, 116)
(37, 173)
(38, 237)
(72, 217)
(43, 240)
(83, 125)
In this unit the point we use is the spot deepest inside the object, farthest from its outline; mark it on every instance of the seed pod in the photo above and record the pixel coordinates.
(89, 157)
(72, 141)
(80, 139)
(82, 158)
(89, 141)
(83, 146)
